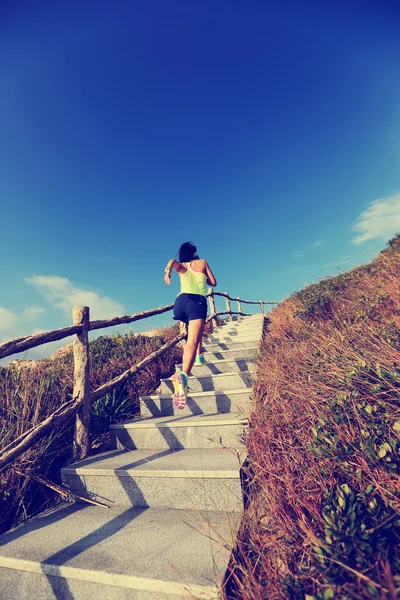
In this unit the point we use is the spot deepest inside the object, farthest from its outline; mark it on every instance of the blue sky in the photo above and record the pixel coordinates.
(267, 133)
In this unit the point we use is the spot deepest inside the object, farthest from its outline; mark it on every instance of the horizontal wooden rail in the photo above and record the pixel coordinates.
(22, 344)
(25, 343)
(225, 295)
(82, 397)
(71, 407)
(30, 341)
(129, 319)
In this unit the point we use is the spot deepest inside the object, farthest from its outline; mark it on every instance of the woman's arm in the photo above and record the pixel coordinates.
(172, 264)
(210, 276)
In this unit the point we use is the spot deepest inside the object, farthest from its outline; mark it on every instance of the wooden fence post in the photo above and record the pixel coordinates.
(81, 443)
(262, 307)
(239, 305)
(228, 306)
(212, 306)
(183, 328)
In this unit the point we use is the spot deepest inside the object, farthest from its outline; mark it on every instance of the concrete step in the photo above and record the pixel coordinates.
(254, 320)
(196, 431)
(242, 325)
(79, 552)
(220, 346)
(233, 339)
(214, 356)
(238, 365)
(229, 331)
(200, 479)
(250, 317)
(197, 403)
(208, 383)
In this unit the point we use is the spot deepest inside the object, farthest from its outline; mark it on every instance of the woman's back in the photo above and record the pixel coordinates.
(194, 279)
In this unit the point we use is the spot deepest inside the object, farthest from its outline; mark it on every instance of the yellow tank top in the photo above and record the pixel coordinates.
(193, 282)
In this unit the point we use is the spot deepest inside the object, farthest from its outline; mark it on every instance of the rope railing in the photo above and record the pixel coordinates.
(239, 299)
(82, 397)
(22, 344)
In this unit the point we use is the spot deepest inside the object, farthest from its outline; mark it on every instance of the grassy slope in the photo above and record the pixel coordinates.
(323, 517)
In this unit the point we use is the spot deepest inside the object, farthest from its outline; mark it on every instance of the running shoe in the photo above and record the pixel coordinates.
(200, 360)
(180, 390)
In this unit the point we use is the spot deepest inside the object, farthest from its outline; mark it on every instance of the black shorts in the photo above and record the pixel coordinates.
(189, 307)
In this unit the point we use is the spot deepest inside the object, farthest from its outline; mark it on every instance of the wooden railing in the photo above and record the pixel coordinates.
(82, 397)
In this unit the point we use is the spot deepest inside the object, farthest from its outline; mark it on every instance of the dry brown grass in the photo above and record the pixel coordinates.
(323, 515)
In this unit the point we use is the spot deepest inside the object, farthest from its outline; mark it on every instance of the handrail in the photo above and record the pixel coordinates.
(31, 341)
(21, 344)
(71, 407)
(80, 403)
(225, 294)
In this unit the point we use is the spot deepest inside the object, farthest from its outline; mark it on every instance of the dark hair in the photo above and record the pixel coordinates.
(187, 252)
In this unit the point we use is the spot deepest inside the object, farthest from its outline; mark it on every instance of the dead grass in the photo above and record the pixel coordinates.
(323, 517)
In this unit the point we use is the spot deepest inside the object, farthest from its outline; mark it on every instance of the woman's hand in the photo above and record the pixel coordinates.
(167, 277)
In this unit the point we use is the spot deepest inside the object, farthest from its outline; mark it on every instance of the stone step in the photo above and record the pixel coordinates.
(241, 326)
(249, 317)
(195, 431)
(208, 383)
(229, 331)
(232, 339)
(80, 552)
(197, 403)
(215, 356)
(200, 479)
(220, 346)
(238, 365)
(255, 319)
(239, 330)
(234, 335)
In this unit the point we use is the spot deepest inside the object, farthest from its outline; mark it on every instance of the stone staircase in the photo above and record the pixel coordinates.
(173, 485)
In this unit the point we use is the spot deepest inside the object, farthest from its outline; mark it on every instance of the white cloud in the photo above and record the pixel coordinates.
(61, 292)
(8, 319)
(380, 220)
(31, 312)
(317, 244)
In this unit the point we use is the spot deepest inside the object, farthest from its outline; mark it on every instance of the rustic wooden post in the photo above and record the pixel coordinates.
(81, 443)
(228, 306)
(262, 307)
(183, 328)
(212, 307)
(239, 305)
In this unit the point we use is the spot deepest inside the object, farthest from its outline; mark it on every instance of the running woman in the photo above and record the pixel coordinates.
(191, 308)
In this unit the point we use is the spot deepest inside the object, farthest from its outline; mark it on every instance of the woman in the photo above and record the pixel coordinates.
(191, 308)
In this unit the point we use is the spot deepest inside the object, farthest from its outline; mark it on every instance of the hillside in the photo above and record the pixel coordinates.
(323, 517)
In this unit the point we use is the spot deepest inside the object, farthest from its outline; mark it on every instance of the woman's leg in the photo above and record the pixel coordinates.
(195, 334)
